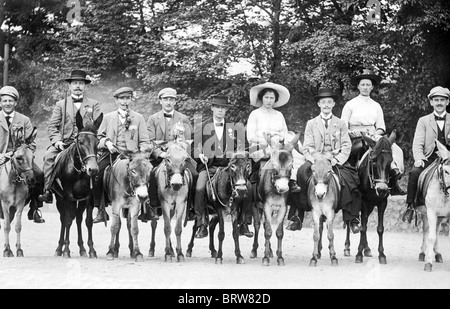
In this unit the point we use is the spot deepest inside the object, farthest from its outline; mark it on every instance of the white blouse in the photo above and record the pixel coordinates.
(261, 120)
(362, 113)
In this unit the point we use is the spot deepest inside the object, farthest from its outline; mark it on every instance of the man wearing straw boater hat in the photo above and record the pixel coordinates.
(328, 133)
(62, 129)
(10, 122)
(365, 115)
(432, 127)
(212, 141)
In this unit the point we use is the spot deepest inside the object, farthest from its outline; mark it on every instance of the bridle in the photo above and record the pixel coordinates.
(372, 180)
(442, 183)
(19, 177)
(83, 160)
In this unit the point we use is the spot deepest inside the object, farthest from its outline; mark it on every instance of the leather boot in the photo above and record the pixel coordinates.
(46, 197)
(355, 226)
(202, 232)
(149, 214)
(244, 231)
(102, 215)
(295, 224)
(409, 214)
(293, 186)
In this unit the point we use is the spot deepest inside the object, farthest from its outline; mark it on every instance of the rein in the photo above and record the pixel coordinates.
(233, 191)
(373, 181)
(441, 179)
(82, 160)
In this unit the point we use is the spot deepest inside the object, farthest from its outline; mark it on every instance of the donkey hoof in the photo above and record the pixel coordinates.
(8, 253)
(167, 258)
(280, 261)
(180, 258)
(139, 257)
(382, 260)
(367, 253)
(313, 263)
(19, 253)
(428, 267)
(151, 253)
(253, 254)
(116, 254)
(347, 252)
(265, 261)
(334, 262)
(58, 253)
(83, 253)
(213, 254)
(66, 255)
(319, 255)
(109, 256)
(219, 260)
(421, 257)
(240, 260)
(189, 253)
(93, 255)
(438, 258)
(359, 259)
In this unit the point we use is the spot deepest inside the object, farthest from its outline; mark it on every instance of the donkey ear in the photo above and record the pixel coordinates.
(443, 152)
(368, 140)
(30, 139)
(98, 121)
(79, 121)
(392, 137)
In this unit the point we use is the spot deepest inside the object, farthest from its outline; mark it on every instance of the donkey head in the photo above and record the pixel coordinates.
(175, 164)
(321, 173)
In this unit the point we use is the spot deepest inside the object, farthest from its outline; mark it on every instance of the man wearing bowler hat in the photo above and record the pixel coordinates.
(62, 129)
(164, 126)
(328, 133)
(122, 130)
(10, 122)
(432, 127)
(216, 137)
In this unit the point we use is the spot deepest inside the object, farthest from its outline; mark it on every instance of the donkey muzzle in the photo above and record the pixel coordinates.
(176, 181)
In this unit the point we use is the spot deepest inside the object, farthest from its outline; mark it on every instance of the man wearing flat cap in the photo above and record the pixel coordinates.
(62, 129)
(328, 133)
(163, 126)
(432, 127)
(213, 139)
(122, 130)
(10, 122)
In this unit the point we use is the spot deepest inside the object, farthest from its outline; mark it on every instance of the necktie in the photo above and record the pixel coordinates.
(438, 118)
(167, 115)
(326, 122)
(219, 124)
(8, 120)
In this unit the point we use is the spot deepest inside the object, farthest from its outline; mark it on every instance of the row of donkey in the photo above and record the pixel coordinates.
(229, 190)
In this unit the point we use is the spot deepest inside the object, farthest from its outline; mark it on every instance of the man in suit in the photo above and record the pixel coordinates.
(122, 130)
(10, 121)
(62, 129)
(324, 133)
(432, 127)
(163, 126)
(215, 138)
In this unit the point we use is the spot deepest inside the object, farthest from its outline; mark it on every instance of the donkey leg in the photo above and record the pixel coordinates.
(237, 249)
(191, 242)
(89, 225)
(437, 254)
(6, 230)
(432, 221)
(151, 251)
(380, 231)
(115, 228)
(167, 232)
(69, 217)
(58, 251)
(180, 217)
(220, 237)
(330, 221)
(316, 237)
(79, 220)
(319, 244)
(347, 240)
(280, 234)
(267, 235)
(212, 228)
(134, 231)
(18, 227)
(363, 235)
(426, 230)
(257, 226)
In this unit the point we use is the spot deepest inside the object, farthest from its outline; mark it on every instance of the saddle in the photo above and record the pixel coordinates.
(424, 181)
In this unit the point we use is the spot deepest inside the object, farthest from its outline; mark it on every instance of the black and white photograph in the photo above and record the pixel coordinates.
(226, 150)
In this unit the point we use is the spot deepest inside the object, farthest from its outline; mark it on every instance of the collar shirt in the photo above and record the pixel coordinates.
(122, 115)
(219, 128)
(440, 123)
(361, 113)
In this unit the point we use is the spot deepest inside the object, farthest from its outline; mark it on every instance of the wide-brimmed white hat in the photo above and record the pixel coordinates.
(283, 94)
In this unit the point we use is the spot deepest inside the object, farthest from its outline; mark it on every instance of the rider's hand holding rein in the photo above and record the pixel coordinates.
(203, 158)
(111, 147)
(419, 163)
(60, 145)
